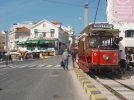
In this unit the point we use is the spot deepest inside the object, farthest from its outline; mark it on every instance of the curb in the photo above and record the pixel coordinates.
(91, 91)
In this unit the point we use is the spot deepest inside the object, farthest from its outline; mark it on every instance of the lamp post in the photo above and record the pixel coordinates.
(85, 13)
(7, 48)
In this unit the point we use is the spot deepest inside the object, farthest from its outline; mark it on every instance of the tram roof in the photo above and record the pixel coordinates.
(90, 28)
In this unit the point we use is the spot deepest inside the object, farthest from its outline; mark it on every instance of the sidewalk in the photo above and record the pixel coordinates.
(93, 89)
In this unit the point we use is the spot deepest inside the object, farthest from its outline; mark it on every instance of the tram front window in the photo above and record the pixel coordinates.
(103, 42)
(93, 43)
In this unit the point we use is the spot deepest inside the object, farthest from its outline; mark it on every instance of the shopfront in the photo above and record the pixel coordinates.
(130, 51)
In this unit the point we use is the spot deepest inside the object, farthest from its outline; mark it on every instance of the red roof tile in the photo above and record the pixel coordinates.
(56, 22)
(22, 30)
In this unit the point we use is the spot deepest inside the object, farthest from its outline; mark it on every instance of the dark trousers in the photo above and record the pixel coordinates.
(65, 64)
(74, 59)
(123, 63)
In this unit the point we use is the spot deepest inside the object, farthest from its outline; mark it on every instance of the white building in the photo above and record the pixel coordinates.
(120, 13)
(50, 32)
(43, 35)
(72, 36)
(2, 42)
(17, 31)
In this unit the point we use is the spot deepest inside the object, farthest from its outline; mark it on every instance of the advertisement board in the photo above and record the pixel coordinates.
(122, 11)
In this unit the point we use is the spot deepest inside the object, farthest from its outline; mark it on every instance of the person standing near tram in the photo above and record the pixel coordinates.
(122, 61)
(116, 42)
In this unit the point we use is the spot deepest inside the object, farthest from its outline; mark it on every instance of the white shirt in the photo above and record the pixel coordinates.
(122, 55)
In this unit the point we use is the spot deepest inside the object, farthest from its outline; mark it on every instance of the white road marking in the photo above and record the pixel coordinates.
(31, 66)
(42, 66)
(57, 66)
(49, 65)
(22, 66)
(12, 66)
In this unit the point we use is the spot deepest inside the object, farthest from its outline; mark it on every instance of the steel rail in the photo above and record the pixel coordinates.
(118, 95)
(114, 92)
(126, 86)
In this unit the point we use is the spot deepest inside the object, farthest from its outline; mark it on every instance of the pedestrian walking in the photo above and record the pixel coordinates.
(10, 58)
(122, 61)
(73, 53)
(65, 59)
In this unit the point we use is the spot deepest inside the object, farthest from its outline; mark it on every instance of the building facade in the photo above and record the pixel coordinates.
(16, 30)
(50, 34)
(39, 36)
(2, 42)
(72, 36)
(122, 17)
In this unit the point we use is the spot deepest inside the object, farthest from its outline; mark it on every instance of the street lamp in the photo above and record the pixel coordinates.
(7, 48)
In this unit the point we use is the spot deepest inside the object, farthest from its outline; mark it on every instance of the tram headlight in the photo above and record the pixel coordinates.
(106, 57)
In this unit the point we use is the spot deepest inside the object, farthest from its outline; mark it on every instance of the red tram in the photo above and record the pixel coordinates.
(95, 47)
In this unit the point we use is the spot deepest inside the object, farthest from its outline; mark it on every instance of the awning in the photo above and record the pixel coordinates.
(32, 41)
(13, 53)
(46, 41)
(21, 43)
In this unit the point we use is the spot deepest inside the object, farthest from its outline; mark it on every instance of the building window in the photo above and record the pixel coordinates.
(52, 32)
(36, 30)
(36, 35)
(44, 25)
(129, 33)
(44, 34)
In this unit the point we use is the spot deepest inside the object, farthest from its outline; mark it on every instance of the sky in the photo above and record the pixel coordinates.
(69, 12)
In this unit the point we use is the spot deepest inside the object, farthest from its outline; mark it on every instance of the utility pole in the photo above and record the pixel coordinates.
(85, 13)
(7, 48)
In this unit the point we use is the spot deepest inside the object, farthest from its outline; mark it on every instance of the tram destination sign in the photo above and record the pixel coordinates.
(103, 26)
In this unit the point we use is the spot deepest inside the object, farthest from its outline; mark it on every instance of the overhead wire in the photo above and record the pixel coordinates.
(96, 11)
(68, 4)
(62, 2)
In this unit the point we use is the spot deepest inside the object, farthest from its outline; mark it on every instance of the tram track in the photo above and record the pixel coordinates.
(114, 88)
(109, 88)
(121, 83)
